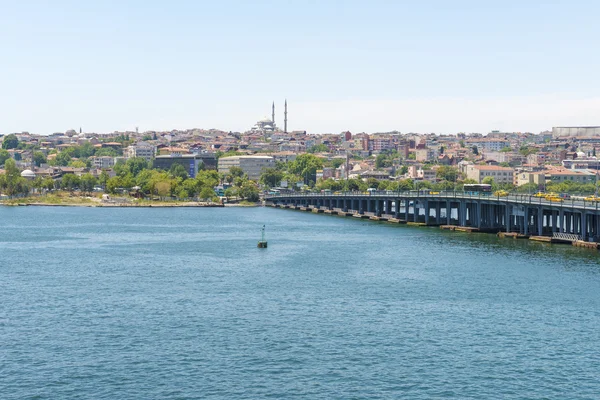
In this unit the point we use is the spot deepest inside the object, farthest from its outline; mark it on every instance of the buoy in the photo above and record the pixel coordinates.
(262, 243)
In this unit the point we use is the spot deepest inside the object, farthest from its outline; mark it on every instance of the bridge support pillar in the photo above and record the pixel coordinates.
(540, 220)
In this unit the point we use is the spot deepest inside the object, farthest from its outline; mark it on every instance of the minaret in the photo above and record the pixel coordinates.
(273, 115)
(285, 117)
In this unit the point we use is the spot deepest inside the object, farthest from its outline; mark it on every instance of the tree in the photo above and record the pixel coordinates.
(271, 177)
(406, 184)
(103, 178)
(447, 173)
(4, 155)
(236, 172)
(178, 171)
(336, 162)
(11, 181)
(62, 159)
(442, 149)
(39, 158)
(112, 184)
(48, 183)
(88, 181)
(77, 164)
(136, 164)
(70, 182)
(318, 148)
(106, 151)
(10, 142)
(488, 180)
(249, 191)
(230, 192)
(163, 188)
(206, 193)
(306, 165)
(475, 150)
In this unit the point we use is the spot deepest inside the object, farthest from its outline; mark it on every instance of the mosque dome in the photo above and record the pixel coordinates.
(29, 174)
(580, 154)
(266, 120)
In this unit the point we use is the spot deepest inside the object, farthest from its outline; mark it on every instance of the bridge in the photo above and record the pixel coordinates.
(517, 213)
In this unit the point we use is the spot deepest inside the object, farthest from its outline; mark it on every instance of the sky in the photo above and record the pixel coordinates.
(411, 66)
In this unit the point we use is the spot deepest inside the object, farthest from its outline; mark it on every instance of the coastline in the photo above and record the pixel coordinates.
(127, 205)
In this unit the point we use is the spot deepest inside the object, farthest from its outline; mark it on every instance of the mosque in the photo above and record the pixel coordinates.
(266, 125)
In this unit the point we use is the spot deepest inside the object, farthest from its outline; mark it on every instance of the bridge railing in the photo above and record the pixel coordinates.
(520, 198)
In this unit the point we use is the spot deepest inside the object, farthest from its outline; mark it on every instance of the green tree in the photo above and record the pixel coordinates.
(178, 171)
(447, 173)
(114, 184)
(236, 172)
(62, 159)
(10, 142)
(39, 158)
(206, 193)
(406, 184)
(249, 191)
(488, 180)
(136, 164)
(77, 164)
(337, 162)
(107, 151)
(48, 183)
(11, 182)
(306, 166)
(4, 155)
(70, 182)
(318, 148)
(271, 177)
(88, 181)
(475, 150)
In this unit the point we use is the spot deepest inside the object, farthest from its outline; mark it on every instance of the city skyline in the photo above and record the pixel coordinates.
(438, 68)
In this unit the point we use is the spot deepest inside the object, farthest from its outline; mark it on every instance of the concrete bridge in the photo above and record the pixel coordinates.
(521, 214)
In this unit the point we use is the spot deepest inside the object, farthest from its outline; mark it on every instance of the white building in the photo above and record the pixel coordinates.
(253, 166)
(143, 150)
(103, 162)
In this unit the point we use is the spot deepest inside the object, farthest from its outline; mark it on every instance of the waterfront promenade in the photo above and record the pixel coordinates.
(570, 220)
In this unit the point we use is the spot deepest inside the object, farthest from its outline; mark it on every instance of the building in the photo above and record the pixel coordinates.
(143, 150)
(252, 166)
(499, 174)
(425, 154)
(574, 131)
(103, 162)
(488, 144)
(525, 177)
(564, 175)
(191, 162)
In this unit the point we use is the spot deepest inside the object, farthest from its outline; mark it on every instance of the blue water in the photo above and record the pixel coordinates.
(100, 303)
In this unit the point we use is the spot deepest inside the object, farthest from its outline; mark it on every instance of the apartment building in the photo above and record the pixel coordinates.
(142, 150)
(253, 166)
(499, 174)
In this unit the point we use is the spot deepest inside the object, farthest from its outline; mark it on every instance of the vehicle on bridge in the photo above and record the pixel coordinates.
(479, 189)
(500, 193)
(592, 198)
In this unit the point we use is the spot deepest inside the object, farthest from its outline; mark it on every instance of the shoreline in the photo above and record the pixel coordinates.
(116, 205)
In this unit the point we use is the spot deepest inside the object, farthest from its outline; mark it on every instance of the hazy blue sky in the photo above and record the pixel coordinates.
(428, 66)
